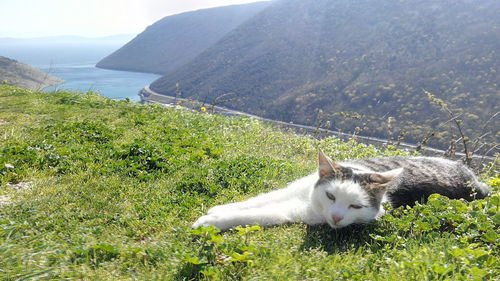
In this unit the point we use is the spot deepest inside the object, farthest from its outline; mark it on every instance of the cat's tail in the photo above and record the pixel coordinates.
(481, 190)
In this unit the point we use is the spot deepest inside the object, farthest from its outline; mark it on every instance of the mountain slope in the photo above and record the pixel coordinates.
(175, 40)
(22, 75)
(364, 57)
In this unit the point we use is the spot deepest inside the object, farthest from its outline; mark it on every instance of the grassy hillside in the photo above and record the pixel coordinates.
(175, 40)
(98, 189)
(19, 74)
(369, 59)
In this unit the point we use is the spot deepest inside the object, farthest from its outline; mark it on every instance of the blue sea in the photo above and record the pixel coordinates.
(75, 62)
(109, 83)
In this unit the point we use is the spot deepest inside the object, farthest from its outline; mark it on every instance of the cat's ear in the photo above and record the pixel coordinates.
(327, 167)
(380, 181)
(385, 177)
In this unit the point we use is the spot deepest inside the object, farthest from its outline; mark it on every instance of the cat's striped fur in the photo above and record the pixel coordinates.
(423, 176)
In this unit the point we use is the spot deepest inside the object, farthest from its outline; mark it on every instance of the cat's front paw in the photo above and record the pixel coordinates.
(208, 220)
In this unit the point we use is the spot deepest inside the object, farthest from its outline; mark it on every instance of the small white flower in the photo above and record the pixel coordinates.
(10, 166)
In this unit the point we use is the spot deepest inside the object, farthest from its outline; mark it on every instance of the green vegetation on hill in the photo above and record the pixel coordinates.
(97, 189)
(369, 59)
(175, 40)
(18, 74)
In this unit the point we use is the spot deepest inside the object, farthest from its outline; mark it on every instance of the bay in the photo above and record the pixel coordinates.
(73, 60)
(110, 83)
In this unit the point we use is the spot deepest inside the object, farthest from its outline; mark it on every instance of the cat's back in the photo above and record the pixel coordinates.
(416, 163)
(423, 176)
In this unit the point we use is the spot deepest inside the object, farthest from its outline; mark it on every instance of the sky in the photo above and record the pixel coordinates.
(91, 18)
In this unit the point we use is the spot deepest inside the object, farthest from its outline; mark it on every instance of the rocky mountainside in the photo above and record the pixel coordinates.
(175, 40)
(356, 65)
(22, 75)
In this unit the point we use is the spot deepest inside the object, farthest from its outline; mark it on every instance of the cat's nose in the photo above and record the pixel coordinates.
(336, 219)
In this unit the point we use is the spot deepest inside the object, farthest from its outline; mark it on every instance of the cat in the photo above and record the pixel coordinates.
(344, 193)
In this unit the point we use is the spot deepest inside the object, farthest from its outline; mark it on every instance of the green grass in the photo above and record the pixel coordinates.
(115, 186)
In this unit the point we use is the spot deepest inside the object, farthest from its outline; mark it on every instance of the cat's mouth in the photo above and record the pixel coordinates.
(334, 225)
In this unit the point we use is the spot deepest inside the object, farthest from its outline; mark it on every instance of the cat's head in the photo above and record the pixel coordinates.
(344, 196)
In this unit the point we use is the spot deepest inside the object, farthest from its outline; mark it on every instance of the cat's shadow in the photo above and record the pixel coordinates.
(336, 240)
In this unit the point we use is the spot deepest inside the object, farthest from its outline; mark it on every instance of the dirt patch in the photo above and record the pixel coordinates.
(20, 186)
(4, 200)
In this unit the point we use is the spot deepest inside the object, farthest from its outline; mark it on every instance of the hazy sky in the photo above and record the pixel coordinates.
(91, 18)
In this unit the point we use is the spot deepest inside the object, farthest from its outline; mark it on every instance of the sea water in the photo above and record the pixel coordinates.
(109, 83)
(75, 64)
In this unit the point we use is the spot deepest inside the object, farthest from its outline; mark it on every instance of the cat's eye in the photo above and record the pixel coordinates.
(355, 206)
(330, 196)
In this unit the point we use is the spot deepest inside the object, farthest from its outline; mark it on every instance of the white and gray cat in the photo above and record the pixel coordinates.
(350, 192)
